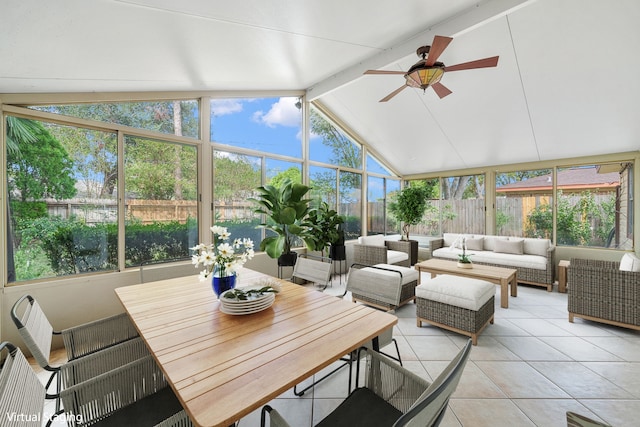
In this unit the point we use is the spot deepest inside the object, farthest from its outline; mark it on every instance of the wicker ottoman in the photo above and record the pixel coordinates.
(459, 304)
(383, 286)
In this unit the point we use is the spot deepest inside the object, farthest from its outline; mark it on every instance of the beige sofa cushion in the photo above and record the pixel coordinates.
(630, 262)
(509, 246)
(475, 243)
(490, 242)
(536, 246)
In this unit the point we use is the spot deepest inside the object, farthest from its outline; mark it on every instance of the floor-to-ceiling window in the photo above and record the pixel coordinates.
(524, 203)
(100, 187)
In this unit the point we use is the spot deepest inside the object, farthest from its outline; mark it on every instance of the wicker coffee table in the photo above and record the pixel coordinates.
(498, 275)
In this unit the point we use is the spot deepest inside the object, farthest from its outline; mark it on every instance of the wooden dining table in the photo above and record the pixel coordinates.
(222, 366)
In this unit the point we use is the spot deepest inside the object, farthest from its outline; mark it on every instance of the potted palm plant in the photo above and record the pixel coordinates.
(287, 213)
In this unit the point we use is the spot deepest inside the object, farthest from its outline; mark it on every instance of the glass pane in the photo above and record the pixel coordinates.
(235, 179)
(374, 166)
(592, 206)
(524, 203)
(160, 200)
(392, 187)
(376, 205)
(61, 183)
(171, 117)
(462, 204)
(271, 125)
(323, 184)
(351, 204)
(329, 144)
(279, 170)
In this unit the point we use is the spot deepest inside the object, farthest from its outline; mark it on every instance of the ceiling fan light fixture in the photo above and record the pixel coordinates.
(424, 77)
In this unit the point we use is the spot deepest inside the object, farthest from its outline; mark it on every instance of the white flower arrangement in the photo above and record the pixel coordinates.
(222, 256)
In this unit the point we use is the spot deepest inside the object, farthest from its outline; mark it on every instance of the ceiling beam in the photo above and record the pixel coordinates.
(480, 14)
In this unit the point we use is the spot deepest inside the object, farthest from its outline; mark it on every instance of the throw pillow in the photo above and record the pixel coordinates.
(536, 246)
(630, 262)
(475, 244)
(509, 246)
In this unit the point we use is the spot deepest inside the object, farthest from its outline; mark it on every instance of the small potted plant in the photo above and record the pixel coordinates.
(463, 259)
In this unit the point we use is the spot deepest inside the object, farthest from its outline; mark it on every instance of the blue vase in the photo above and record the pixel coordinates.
(224, 283)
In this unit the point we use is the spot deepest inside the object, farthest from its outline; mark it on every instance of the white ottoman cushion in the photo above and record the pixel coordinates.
(408, 274)
(457, 291)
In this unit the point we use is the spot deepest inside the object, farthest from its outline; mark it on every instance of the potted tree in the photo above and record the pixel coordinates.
(287, 214)
(408, 207)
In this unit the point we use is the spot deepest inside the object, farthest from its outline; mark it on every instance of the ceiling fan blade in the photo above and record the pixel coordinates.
(438, 46)
(394, 93)
(479, 63)
(441, 90)
(383, 72)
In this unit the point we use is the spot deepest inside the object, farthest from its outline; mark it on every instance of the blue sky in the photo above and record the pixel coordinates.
(272, 125)
(265, 124)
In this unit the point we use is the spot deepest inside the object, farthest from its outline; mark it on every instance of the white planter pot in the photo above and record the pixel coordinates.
(465, 265)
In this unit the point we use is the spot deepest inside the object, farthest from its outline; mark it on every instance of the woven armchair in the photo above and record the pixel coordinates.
(391, 396)
(372, 254)
(600, 292)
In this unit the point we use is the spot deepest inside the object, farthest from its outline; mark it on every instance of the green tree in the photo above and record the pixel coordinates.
(511, 177)
(41, 169)
(146, 166)
(345, 152)
(98, 158)
(292, 174)
(20, 131)
(235, 177)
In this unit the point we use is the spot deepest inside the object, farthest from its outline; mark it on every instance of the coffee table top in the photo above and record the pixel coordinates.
(441, 266)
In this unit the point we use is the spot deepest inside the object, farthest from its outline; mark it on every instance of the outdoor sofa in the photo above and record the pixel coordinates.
(532, 258)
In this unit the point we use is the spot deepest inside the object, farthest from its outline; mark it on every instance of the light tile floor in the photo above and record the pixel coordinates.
(528, 369)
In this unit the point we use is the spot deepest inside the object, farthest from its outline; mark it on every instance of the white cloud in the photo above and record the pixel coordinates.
(283, 113)
(222, 107)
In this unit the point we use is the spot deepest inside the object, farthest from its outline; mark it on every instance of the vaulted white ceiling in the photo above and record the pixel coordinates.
(566, 83)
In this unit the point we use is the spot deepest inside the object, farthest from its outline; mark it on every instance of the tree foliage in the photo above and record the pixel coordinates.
(235, 177)
(409, 206)
(40, 169)
(583, 222)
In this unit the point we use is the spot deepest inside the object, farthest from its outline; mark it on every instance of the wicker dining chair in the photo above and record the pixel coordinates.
(391, 396)
(101, 343)
(134, 394)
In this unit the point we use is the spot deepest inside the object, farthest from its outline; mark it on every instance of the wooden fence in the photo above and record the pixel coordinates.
(465, 215)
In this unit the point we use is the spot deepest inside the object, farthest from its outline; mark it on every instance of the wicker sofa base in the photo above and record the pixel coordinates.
(457, 319)
(407, 294)
(601, 320)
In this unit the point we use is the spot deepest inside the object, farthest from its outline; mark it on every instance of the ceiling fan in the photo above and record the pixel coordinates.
(428, 71)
